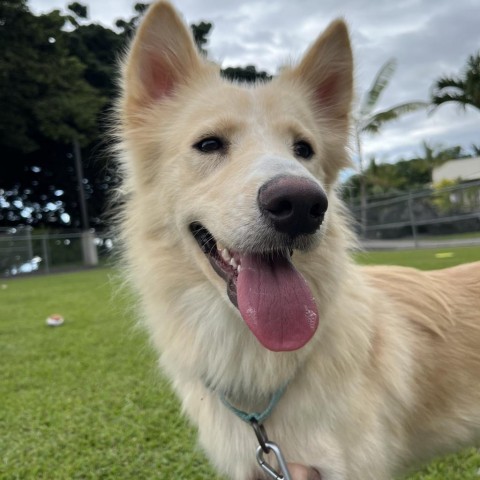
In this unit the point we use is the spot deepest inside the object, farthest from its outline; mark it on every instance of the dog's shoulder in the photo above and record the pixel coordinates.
(435, 300)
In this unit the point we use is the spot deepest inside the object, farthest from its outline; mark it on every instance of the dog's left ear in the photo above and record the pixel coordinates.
(162, 57)
(327, 71)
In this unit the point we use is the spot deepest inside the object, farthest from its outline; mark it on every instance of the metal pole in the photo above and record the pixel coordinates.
(363, 187)
(89, 249)
(29, 243)
(45, 254)
(412, 219)
(81, 186)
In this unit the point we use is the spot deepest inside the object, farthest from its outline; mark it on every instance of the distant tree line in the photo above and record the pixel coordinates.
(415, 173)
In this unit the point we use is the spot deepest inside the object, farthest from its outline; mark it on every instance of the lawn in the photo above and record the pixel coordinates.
(423, 258)
(85, 400)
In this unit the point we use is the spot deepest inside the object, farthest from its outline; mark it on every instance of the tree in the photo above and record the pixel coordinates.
(42, 90)
(201, 32)
(79, 12)
(248, 74)
(45, 102)
(404, 175)
(368, 121)
(463, 90)
(127, 27)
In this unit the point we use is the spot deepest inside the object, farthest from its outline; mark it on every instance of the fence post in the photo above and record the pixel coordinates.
(89, 248)
(45, 253)
(29, 243)
(412, 220)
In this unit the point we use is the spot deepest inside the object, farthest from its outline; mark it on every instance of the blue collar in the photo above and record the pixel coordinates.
(259, 417)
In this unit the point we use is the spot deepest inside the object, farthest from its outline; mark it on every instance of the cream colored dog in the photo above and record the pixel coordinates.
(239, 248)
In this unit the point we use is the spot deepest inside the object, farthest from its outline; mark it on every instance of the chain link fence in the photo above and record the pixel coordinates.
(424, 215)
(24, 251)
(415, 219)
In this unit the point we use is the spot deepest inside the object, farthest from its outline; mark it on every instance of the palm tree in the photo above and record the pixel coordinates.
(463, 90)
(368, 121)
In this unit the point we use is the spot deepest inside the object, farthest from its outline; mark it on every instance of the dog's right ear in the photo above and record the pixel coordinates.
(162, 56)
(327, 71)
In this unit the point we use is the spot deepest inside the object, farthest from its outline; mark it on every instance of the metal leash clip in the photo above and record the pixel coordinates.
(266, 446)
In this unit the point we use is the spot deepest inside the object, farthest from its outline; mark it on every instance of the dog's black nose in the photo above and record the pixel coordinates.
(295, 205)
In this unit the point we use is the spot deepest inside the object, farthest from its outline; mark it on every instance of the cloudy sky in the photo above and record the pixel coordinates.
(428, 39)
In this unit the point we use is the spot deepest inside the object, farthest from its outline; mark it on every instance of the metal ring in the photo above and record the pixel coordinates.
(261, 435)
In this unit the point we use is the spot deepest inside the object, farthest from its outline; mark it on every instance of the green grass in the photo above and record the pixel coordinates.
(426, 259)
(85, 400)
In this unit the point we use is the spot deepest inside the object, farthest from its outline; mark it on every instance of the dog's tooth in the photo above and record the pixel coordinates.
(220, 247)
(226, 255)
(239, 268)
(233, 263)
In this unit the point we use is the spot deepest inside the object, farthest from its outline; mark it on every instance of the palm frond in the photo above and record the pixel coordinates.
(463, 90)
(473, 63)
(448, 82)
(382, 79)
(376, 121)
(459, 98)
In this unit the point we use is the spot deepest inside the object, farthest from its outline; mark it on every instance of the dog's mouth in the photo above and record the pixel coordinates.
(273, 298)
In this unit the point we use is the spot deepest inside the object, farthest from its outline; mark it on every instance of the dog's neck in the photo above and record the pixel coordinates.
(253, 400)
(257, 415)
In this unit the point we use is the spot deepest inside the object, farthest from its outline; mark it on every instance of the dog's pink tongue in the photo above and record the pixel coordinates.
(275, 302)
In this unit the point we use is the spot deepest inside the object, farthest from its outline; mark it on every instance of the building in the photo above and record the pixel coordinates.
(462, 169)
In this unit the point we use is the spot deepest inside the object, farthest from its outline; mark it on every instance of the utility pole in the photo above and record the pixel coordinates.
(89, 249)
(77, 156)
(363, 186)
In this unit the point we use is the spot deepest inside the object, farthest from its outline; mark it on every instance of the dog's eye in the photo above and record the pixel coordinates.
(303, 150)
(210, 145)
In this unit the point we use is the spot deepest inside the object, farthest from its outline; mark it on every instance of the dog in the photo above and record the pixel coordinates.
(240, 250)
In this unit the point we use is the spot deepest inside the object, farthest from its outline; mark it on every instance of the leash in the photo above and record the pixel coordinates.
(255, 420)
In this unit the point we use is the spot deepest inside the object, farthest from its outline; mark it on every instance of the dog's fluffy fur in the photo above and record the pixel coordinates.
(391, 376)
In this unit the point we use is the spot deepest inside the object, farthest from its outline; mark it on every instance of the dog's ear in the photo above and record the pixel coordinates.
(327, 71)
(162, 56)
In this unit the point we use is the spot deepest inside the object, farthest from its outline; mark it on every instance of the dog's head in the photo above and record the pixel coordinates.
(237, 178)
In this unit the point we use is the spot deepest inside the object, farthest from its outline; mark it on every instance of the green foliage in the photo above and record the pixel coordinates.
(248, 74)
(79, 10)
(442, 199)
(97, 48)
(43, 94)
(128, 26)
(403, 175)
(56, 85)
(448, 201)
(200, 34)
(463, 90)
